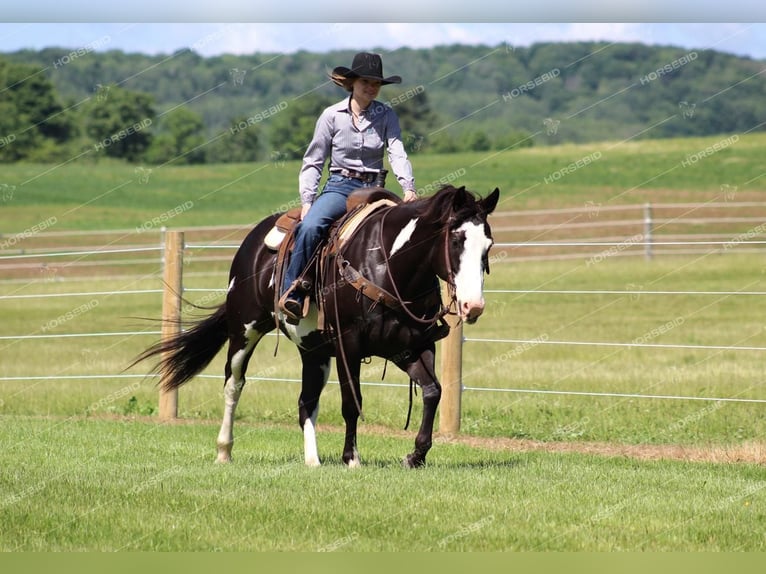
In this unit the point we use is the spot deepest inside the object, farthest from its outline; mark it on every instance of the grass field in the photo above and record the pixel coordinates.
(112, 478)
(121, 485)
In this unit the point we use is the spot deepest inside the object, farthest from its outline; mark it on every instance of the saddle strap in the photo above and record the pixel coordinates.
(370, 290)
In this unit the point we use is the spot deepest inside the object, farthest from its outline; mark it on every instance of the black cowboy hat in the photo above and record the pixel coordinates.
(366, 65)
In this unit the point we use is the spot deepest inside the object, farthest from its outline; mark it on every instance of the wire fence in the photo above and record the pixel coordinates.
(544, 234)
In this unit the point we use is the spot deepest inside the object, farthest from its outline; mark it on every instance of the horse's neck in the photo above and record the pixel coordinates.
(411, 243)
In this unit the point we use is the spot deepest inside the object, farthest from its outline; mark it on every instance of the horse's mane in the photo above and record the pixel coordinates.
(442, 205)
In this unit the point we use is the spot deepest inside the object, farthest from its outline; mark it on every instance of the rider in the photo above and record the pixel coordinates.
(352, 134)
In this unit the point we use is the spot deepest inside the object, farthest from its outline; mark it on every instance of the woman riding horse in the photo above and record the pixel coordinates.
(352, 134)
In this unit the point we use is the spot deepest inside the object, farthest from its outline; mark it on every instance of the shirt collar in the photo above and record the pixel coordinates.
(345, 106)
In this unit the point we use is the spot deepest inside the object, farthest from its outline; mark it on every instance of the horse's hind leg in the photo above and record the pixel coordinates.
(422, 372)
(241, 348)
(316, 370)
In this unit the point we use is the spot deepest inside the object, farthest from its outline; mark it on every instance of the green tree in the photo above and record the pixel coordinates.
(292, 129)
(180, 138)
(477, 140)
(416, 117)
(238, 144)
(119, 123)
(31, 117)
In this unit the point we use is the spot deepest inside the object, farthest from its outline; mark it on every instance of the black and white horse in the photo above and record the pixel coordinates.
(379, 296)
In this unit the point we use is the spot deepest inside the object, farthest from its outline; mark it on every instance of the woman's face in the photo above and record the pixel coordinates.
(366, 90)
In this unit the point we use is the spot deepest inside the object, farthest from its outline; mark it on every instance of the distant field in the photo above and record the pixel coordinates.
(613, 353)
(110, 195)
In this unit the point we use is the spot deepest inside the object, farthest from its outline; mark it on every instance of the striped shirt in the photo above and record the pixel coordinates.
(354, 148)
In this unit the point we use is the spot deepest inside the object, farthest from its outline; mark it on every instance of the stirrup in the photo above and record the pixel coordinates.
(294, 312)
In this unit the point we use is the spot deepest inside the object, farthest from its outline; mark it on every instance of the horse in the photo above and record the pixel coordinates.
(378, 294)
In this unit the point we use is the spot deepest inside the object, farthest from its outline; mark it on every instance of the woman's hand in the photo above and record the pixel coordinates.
(410, 195)
(304, 210)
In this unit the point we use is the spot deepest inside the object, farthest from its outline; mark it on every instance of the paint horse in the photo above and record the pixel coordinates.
(378, 295)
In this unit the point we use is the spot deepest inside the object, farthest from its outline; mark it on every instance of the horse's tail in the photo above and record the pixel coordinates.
(187, 353)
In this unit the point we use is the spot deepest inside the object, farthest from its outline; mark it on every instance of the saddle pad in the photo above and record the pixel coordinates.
(352, 223)
(274, 237)
(277, 233)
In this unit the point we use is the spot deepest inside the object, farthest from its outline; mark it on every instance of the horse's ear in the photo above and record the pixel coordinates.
(489, 203)
(460, 198)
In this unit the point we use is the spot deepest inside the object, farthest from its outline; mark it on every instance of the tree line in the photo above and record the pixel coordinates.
(60, 103)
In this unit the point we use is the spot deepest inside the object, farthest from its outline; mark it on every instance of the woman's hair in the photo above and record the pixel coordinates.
(344, 82)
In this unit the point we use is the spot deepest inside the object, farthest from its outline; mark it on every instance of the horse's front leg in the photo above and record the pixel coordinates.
(351, 404)
(316, 370)
(421, 370)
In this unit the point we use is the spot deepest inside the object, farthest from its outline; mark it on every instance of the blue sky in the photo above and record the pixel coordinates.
(747, 39)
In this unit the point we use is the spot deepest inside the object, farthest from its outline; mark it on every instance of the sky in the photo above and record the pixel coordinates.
(247, 26)
(208, 39)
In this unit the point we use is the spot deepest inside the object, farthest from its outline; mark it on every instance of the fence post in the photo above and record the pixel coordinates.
(171, 311)
(648, 230)
(451, 374)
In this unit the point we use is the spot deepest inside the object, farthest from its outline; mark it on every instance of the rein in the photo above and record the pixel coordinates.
(445, 309)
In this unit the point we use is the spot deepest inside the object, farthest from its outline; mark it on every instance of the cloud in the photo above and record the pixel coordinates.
(247, 38)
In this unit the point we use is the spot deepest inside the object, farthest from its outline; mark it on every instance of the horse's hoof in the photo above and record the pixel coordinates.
(313, 462)
(354, 463)
(224, 454)
(411, 461)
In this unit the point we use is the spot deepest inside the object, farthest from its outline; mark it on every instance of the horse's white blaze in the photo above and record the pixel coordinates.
(231, 284)
(404, 236)
(232, 390)
(469, 280)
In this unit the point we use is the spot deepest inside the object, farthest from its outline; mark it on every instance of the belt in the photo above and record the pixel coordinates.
(367, 177)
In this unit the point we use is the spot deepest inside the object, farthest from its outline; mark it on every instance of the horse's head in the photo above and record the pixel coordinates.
(468, 240)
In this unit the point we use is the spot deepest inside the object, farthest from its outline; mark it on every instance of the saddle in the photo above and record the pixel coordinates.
(361, 198)
(359, 205)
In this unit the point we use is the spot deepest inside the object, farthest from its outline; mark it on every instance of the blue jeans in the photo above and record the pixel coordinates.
(328, 207)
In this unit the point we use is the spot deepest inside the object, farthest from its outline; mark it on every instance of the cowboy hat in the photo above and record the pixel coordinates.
(366, 65)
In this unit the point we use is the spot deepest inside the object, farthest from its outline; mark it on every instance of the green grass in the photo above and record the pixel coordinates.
(127, 485)
(109, 195)
(694, 320)
(110, 482)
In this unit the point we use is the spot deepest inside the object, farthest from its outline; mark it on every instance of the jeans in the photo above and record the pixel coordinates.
(328, 207)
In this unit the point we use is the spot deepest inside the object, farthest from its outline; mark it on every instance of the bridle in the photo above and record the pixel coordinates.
(450, 278)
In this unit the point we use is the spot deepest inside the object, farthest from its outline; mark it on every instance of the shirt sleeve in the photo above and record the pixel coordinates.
(316, 155)
(397, 156)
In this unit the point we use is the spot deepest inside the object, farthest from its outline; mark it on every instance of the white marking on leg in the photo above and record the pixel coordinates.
(469, 280)
(355, 461)
(232, 391)
(310, 452)
(404, 236)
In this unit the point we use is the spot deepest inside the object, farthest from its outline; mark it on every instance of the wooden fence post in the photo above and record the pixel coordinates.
(171, 311)
(451, 374)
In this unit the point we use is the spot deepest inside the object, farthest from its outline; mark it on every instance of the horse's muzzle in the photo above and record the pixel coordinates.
(470, 311)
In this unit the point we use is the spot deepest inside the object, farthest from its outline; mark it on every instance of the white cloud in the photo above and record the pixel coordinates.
(248, 38)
